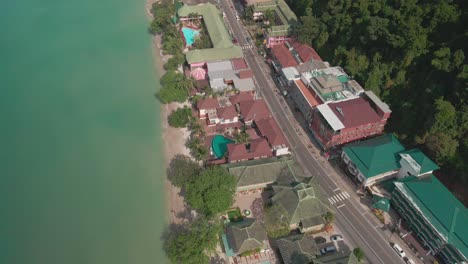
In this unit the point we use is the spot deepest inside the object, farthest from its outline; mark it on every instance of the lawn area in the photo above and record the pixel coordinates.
(235, 215)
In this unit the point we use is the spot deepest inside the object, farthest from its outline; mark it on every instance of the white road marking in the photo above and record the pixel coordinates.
(337, 189)
(346, 194)
(342, 195)
(341, 206)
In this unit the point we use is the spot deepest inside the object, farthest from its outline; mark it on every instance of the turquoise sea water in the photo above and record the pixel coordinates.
(189, 35)
(80, 149)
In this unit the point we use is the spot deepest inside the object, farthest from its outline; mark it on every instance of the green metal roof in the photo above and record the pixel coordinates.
(425, 162)
(375, 156)
(381, 203)
(439, 206)
(285, 14)
(214, 54)
(219, 35)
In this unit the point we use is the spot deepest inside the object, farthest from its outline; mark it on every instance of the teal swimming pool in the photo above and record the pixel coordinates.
(189, 35)
(219, 145)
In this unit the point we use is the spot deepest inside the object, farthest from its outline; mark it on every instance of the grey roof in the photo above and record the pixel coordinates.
(217, 79)
(263, 174)
(297, 249)
(219, 66)
(371, 95)
(343, 256)
(300, 201)
(246, 235)
(244, 85)
(312, 221)
(311, 66)
(290, 73)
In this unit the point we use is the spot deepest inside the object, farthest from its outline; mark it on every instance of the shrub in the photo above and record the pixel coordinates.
(180, 117)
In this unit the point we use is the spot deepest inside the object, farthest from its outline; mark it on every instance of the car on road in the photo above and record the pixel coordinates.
(399, 250)
(336, 238)
(326, 250)
(409, 261)
(234, 40)
(247, 39)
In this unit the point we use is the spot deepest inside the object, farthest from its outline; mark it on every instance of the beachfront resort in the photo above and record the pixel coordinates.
(278, 211)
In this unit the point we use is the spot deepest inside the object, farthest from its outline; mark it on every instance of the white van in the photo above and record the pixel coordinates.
(398, 250)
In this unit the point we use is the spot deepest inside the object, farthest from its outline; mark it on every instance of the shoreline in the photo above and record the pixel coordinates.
(173, 139)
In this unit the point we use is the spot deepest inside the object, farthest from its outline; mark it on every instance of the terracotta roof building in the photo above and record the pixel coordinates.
(258, 149)
(241, 97)
(282, 55)
(306, 52)
(305, 98)
(271, 131)
(227, 114)
(254, 110)
(207, 105)
(239, 64)
(338, 123)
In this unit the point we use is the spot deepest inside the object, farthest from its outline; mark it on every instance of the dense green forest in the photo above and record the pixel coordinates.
(410, 53)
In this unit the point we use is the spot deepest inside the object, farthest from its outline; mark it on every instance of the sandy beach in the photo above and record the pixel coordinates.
(173, 138)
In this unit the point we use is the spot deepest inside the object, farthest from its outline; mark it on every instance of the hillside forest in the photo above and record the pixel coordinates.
(413, 54)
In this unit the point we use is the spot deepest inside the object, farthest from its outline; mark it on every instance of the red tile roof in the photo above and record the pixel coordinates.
(283, 55)
(207, 103)
(259, 148)
(241, 97)
(228, 112)
(252, 134)
(271, 131)
(245, 74)
(309, 94)
(254, 110)
(238, 64)
(305, 52)
(355, 112)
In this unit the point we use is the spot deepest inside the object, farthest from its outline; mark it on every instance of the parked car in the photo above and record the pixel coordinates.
(336, 238)
(326, 250)
(399, 250)
(409, 261)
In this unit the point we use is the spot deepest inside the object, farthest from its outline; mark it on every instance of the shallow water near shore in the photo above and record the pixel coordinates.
(81, 162)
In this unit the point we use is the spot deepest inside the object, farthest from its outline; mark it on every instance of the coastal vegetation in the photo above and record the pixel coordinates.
(193, 242)
(211, 192)
(175, 87)
(197, 147)
(182, 170)
(413, 55)
(180, 117)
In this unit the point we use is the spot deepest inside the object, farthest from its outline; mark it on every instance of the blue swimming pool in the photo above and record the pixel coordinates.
(219, 145)
(189, 35)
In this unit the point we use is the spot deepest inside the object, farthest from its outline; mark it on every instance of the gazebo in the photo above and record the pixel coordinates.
(198, 74)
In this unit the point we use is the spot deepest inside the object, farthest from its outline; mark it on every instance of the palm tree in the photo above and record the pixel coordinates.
(241, 138)
(187, 83)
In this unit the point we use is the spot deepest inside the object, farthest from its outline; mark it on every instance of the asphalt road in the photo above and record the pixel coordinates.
(357, 224)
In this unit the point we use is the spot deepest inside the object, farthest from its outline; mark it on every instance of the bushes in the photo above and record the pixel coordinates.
(175, 87)
(180, 117)
(359, 253)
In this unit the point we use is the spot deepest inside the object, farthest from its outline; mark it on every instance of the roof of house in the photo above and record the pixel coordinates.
(290, 73)
(283, 55)
(246, 235)
(200, 84)
(271, 131)
(350, 113)
(438, 205)
(252, 133)
(216, 28)
(297, 249)
(219, 66)
(263, 173)
(376, 155)
(213, 54)
(311, 65)
(253, 2)
(254, 110)
(305, 52)
(245, 74)
(241, 97)
(419, 160)
(207, 103)
(239, 64)
(330, 117)
(300, 201)
(343, 256)
(258, 148)
(228, 112)
(374, 98)
(308, 94)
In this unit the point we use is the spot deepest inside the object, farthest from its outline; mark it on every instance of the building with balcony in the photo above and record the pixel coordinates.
(338, 123)
(435, 216)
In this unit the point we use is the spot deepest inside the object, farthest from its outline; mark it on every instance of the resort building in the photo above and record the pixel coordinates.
(304, 98)
(289, 75)
(253, 110)
(241, 97)
(255, 149)
(338, 123)
(373, 160)
(256, 175)
(206, 107)
(291, 54)
(227, 115)
(297, 249)
(270, 130)
(223, 48)
(305, 209)
(222, 75)
(244, 236)
(435, 216)
(285, 19)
